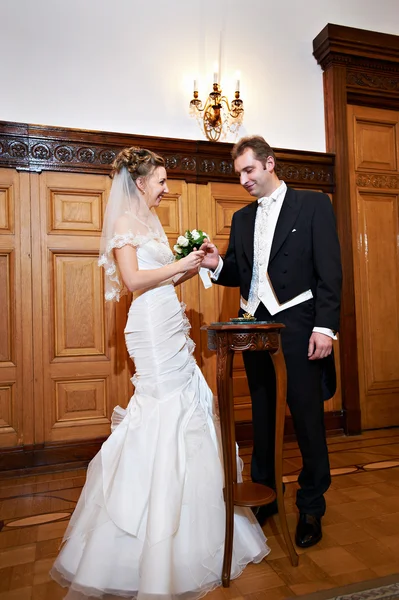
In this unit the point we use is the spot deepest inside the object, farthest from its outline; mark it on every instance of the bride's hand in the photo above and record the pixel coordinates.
(192, 261)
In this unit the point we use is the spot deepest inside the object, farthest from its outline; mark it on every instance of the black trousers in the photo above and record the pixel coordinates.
(304, 397)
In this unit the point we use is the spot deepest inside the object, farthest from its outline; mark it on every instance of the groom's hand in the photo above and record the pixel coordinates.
(320, 346)
(211, 258)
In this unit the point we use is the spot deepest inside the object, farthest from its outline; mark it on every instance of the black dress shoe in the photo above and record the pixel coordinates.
(308, 531)
(262, 513)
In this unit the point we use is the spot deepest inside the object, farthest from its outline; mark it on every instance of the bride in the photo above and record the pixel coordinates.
(150, 521)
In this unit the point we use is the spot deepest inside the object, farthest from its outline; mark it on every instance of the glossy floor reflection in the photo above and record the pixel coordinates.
(360, 529)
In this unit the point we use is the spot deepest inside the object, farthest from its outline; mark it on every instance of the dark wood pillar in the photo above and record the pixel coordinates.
(360, 67)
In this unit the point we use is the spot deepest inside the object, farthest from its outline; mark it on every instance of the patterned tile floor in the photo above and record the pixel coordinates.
(360, 530)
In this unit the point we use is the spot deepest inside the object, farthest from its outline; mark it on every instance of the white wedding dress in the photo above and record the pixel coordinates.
(150, 521)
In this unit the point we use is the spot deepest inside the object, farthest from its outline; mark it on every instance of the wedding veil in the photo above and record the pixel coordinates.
(127, 220)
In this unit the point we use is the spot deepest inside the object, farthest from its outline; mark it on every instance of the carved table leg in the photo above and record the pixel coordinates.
(281, 395)
(225, 395)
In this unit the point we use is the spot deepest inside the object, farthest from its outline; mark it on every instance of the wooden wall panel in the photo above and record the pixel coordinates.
(64, 344)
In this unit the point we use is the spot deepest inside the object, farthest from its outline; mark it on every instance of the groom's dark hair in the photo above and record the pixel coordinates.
(257, 144)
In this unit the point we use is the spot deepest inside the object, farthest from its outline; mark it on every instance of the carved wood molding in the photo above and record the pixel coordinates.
(357, 48)
(371, 80)
(255, 341)
(370, 60)
(378, 181)
(38, 148)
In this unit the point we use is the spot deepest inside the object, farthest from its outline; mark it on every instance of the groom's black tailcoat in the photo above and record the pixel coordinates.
(305, 255)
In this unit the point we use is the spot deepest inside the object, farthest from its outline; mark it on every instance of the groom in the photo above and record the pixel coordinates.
(284, 256)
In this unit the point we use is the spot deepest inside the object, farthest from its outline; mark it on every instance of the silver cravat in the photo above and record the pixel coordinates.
(260, 252)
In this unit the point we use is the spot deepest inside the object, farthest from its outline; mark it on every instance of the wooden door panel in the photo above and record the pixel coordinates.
(376, 145)
(75, 211)
(168, 213)
(216, 204)
(16, 425)
(375, 215)
(78, 305)
(379, 294)
(10, 398)
(84, 366)
(8, 423)
(85, 370)
(8, 189)
(83, 399)
(7, 317)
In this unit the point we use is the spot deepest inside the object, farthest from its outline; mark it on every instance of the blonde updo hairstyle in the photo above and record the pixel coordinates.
(138, 161)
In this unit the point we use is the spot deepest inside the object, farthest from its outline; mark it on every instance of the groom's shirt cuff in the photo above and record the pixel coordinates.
(216, 272)
(325, 331)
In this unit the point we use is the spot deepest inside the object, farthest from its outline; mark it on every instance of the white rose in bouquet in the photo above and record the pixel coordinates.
(182, 241)
(196, 234)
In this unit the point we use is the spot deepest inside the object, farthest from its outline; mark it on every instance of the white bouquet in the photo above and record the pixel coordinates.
(187, 243)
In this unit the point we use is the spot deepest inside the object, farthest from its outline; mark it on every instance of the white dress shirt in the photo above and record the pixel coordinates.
(261, 289)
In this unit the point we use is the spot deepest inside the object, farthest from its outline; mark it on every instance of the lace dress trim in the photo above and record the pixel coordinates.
(115, 288)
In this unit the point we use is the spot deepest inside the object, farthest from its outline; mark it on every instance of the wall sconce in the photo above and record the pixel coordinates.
(218, 117)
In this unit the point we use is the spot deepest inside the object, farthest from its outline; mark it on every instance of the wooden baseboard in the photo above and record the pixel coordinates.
(73, 455)
(52, 457)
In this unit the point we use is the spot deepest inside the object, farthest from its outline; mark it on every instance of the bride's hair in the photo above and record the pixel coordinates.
(138, 161)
